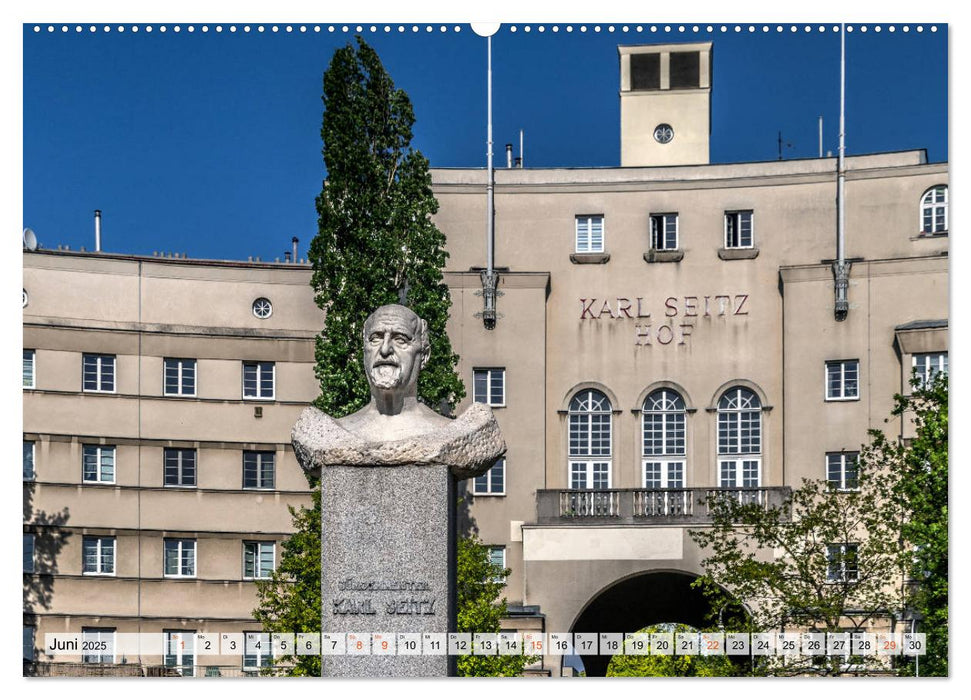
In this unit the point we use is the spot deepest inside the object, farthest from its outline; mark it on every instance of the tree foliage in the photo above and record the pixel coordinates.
(922, 463)
(376, 243)
(659, 666)
(480, 609)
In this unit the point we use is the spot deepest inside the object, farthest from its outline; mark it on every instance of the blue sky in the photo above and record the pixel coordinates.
(209, 142)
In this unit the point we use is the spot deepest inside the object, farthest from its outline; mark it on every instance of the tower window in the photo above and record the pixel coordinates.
(685, 69)
(645, 71)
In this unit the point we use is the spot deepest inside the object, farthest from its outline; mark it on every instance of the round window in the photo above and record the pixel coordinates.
(663, 133)
(262, 308)
(25, 299)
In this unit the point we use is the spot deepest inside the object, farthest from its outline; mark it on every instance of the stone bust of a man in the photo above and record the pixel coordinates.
(395, 428)
(396, 348)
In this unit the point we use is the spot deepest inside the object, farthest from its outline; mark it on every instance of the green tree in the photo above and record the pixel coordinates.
(376, 244)
(825, 560)
(480, 609)
(670, 666)
(923, 465)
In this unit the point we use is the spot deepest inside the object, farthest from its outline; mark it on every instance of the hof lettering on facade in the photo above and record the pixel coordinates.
(674, 319)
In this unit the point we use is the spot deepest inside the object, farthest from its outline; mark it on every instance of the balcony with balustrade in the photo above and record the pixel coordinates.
(677, 506)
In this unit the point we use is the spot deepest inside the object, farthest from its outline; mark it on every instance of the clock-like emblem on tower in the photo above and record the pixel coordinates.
(663, 133)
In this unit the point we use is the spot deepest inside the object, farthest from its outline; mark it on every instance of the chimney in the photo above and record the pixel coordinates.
(97, 230)
(508, 155)
(294, 241)
(286, 257)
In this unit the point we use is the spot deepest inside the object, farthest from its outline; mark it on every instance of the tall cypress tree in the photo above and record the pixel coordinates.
(375, 244)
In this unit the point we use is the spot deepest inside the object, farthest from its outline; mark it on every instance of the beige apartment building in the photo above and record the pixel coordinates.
(663, 329)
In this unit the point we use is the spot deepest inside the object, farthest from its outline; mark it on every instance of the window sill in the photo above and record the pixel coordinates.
(837, 399)
(738, 253)
(589, 258)
(477, 494)
(929, 234)
(663, 256)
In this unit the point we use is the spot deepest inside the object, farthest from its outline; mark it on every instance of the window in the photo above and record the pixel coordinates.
(256, 650)
(738, 229)
(842, 470)
(98, 464)
(497, 557)
(493, 482)
(98, 556)
(28, 369)
(29, 460)
(645, 71)
(842, 563)
(489, 386)
(590, 234)
(179, 558)
(28, 552)
(739, 438)
(180, 376)
(180, 466)
(927, 365)
(843, 380)
(933, 211)
(100, 642)
(258, 470)
(663, 440)
(589, 440)
(258, 380)
(98, 372)
(262, 308)
(684, 69)
(180, 650)
(259, 559)
(664, 231)
(30, 634)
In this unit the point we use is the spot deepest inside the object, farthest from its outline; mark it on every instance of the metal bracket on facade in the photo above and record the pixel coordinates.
(841, 275)
(490, 280)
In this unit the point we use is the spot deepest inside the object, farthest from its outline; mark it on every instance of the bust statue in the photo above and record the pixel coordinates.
(395, 427)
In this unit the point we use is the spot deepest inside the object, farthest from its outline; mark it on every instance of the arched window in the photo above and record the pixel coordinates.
(739, 438)
(590, 444)
(662, 423)
(933, 210)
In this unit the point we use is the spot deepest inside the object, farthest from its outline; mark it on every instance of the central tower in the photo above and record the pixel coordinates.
(665, 104)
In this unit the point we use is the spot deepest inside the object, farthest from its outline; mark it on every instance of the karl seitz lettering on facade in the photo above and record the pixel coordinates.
(366, 606)
(674, 320)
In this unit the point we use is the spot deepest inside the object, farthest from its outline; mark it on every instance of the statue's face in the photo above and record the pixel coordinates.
(392, 350)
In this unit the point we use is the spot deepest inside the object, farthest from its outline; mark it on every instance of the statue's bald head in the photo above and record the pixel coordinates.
(396, 347)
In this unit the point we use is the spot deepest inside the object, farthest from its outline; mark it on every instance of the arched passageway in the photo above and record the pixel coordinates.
(638, 601)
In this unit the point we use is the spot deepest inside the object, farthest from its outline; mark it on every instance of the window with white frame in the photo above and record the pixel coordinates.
(497, 557)
(663, 440)
(100, 645)
(259, 559)
(738, 229)
(98, 373)
(30, 635)
(489, 386)
(98, 464)
(28, 369)
(842, 471)
(842, 563)
(493, 482)
(843, 380)
(928, 365)
(179, 558)
(259, 471)
(29, 473)
(98, 556)
(258, 380)
(256, 650)
(739, 438)
(664, 231)
(179, 376)
(179, 466)
(933, 211)
(589, 440)
(180, 651)
(590, 234)
(29, 552)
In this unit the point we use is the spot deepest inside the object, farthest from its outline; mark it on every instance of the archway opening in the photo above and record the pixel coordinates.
(641, 601)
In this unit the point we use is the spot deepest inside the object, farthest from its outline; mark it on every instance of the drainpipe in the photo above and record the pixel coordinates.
(841, 268)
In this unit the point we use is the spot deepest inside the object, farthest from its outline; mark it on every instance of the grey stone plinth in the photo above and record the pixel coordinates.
(387, 561)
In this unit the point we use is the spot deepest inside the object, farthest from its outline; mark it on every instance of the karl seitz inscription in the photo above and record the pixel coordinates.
(387, 477)
(676, 319)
